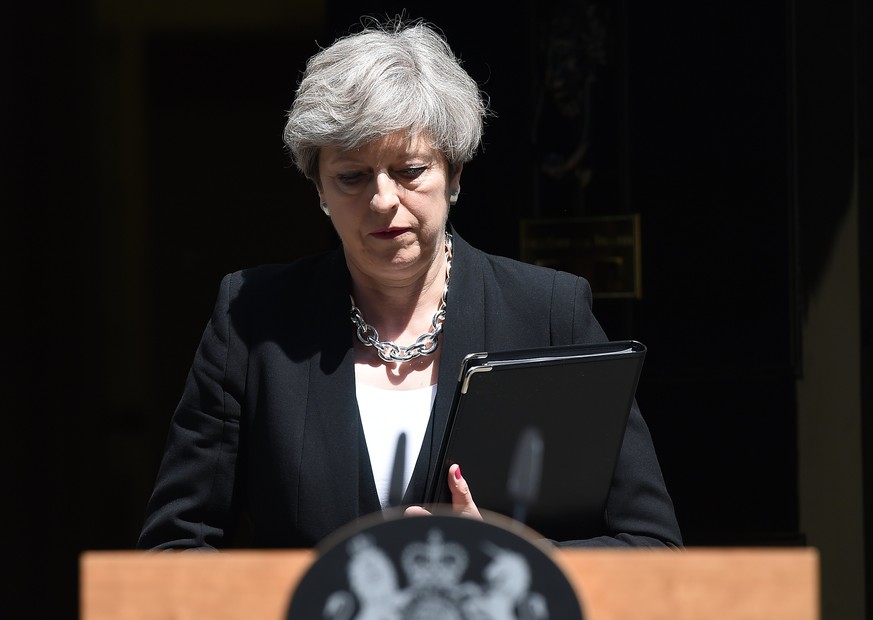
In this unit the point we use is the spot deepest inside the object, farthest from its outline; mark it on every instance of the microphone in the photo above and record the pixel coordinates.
(395, 490)
(525, 472)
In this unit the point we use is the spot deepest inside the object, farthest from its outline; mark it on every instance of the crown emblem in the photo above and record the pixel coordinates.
(434, 563)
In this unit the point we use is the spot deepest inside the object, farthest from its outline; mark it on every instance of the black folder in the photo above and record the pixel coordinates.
(570, 403)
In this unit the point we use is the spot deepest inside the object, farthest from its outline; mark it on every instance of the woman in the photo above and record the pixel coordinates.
(291, 411)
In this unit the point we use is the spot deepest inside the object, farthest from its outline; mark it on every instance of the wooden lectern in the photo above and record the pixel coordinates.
(692, 584)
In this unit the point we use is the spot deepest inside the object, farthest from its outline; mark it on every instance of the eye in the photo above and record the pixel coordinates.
(413, 172)
(351, 178)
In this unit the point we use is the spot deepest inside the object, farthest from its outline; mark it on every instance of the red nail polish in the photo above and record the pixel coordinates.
(458, 474)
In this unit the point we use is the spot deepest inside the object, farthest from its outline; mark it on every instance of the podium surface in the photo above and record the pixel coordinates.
(612, 584)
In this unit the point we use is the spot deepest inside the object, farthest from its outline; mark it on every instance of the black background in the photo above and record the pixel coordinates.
(728, 127)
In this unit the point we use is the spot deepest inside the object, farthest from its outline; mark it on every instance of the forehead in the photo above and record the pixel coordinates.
(393, 147)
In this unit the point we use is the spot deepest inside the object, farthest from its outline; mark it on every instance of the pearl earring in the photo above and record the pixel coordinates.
(325, 209)
(453, 197)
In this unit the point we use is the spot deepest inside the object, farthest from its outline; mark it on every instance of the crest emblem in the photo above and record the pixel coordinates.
(434, 568)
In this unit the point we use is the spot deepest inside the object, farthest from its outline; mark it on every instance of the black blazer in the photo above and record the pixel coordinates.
(268, 431)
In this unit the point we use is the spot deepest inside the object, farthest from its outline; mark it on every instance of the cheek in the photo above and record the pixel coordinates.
(433, 207)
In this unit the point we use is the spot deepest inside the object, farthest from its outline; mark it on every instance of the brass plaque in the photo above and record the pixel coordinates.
(603, 249)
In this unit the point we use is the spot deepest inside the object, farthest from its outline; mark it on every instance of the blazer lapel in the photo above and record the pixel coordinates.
(463, 333)
(333, 427)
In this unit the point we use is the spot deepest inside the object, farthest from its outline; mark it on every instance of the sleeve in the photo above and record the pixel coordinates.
(639, 509)
(192, 505)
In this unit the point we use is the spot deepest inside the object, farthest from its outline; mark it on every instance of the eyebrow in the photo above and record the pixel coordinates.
(344, 157)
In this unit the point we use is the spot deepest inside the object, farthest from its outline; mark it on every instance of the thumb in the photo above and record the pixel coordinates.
(462, 499)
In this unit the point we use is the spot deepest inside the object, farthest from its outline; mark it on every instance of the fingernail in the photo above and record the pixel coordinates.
(458, 474)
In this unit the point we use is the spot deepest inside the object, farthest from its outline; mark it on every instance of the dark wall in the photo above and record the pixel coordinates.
(863, 23)
(710, 112)
(46, 240)
(117, 228)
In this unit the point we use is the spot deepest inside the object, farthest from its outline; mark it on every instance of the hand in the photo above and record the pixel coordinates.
(462, 500)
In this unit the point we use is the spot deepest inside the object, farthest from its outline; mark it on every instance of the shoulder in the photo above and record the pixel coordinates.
(555, 302)
(301, 274)
(294, 289)
(524, 279)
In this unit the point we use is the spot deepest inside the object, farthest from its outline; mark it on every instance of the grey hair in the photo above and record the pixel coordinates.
(392, 76)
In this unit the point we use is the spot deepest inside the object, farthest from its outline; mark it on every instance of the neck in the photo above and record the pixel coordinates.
(403, 311)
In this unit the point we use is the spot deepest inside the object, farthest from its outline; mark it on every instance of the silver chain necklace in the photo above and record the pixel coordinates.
(424, 344)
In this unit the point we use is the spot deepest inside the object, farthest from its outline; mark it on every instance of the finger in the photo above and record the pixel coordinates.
(416, 511)
(462, 499)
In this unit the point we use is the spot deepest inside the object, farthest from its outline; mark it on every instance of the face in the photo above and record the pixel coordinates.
(389, 202)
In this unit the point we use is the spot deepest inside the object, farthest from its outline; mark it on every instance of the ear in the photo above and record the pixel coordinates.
(455, 179)
(455, 184)
(321, 201)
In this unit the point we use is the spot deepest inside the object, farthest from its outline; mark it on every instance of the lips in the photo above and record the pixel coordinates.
(388, 233)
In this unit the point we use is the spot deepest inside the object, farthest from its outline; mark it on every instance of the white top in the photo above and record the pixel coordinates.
(385, 414)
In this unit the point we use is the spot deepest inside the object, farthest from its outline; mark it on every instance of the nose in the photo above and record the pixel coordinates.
(386, 196)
